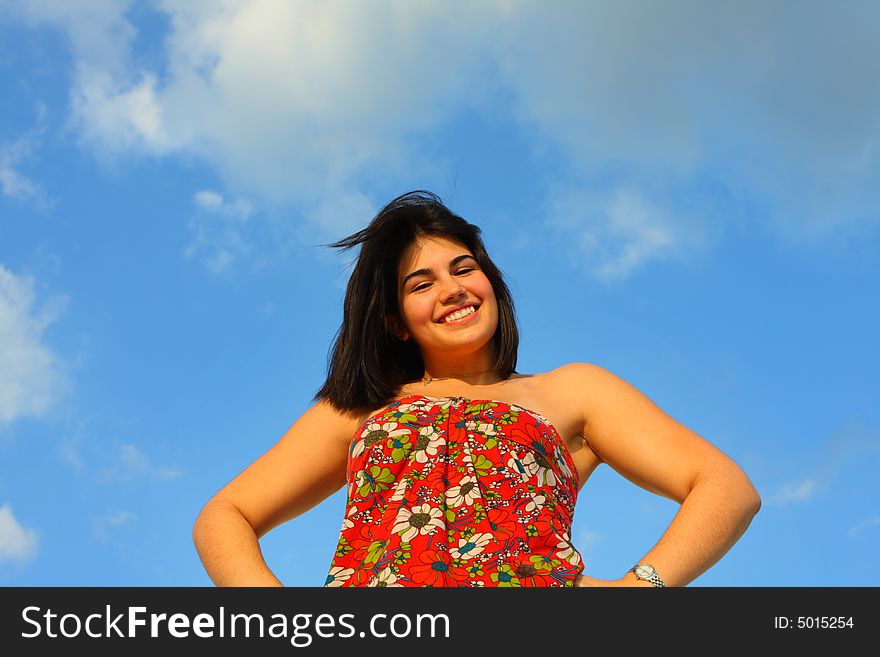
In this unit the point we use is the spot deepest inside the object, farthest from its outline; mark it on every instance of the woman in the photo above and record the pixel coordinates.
(460, 471)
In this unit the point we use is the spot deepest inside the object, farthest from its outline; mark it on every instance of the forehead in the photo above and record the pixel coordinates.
(431, 252)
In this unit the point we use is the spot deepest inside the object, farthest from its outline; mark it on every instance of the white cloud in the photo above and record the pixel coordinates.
(135, 461)
(103, 525)
(208, 200)
(755, 103)
(70, 451)
(745, 98)
(16, 542)
(13, 183)
(615, 234)
(219, 231)
(129, 463)
(587, 540)
(290, 101)
(800, 491)
(31, 374)
(873, 521)
(849, 442)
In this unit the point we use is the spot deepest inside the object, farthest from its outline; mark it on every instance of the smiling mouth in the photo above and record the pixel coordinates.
(461, 320)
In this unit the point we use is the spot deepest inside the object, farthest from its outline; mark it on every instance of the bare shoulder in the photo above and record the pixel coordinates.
(588, 389)
(593, 388)
(574, 378)
(567, 388)
(335, 423)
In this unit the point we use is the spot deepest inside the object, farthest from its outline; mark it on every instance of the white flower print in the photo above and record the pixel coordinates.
(465, 493)
(347, 523)
(439, 402)
(427, 444)
(400, 490)
(567, 552)
(422, 519)
(560, 461)
(535, 503)
(338, 576)
(470, 547)
(385, 577)
(487, 430)
(377, 432)
(545, 475)
(524, 466)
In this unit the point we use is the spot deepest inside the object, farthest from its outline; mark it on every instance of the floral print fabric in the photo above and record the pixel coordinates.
(451, 491)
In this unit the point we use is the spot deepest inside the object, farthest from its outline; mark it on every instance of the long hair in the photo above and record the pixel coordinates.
(368, 363)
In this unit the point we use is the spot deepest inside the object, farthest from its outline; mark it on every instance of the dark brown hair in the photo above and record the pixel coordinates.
(368, 363)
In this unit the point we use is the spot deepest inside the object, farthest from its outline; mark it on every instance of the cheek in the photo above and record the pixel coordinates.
(415, 311)
(486, 291)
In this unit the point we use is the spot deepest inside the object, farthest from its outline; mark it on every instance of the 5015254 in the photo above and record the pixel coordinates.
(824, 622)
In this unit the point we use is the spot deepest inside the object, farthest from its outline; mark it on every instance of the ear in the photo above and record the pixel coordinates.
(396, 328)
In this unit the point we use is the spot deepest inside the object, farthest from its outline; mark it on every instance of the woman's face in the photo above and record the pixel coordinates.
(437, 276)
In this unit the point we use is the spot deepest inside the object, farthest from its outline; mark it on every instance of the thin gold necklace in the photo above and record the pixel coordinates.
(452, 376)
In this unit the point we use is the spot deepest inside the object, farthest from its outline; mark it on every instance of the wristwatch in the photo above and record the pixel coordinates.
(646, 572)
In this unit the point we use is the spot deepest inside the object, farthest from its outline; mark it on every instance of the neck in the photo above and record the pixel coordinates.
(473, 378)
(476, 367)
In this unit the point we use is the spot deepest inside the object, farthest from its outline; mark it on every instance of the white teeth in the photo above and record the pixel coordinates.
(459, 314)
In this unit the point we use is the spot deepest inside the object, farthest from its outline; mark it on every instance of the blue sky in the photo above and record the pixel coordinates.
(684, 193)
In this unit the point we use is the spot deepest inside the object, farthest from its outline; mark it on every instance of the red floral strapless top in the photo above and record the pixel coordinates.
(451, 491)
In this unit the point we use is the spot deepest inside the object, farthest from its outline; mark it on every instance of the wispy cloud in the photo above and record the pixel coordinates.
(129, 463)
(219, 231)
(288, 101)
(615, 234)
(851, 441)
(14, 156)
(103, 525)
(800, 491)
(16, 542)
(587, 540)
(873, 521)
(294, 104)
(754, 116)
(32, 376)
(13, 183)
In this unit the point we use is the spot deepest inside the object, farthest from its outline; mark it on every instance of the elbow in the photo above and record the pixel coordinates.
(200, 526)
(749, 497)
(201, 529)
(216, 518)
(750, 500)
(737, 485)
(756, 502)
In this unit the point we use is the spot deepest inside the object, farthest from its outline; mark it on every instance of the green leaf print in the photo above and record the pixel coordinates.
(482, 465)
(400, 447)
(374, 480)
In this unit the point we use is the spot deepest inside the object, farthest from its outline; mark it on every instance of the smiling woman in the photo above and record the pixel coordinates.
(459, 471)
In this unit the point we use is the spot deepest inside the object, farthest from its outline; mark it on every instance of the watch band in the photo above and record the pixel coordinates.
(649, 572)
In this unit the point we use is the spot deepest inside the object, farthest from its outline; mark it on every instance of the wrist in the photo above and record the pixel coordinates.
(646, 573)
(631, 580)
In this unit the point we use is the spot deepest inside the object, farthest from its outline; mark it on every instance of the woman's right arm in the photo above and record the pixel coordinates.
(302, 469)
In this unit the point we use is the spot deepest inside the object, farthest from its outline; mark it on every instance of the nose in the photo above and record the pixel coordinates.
(453, 290)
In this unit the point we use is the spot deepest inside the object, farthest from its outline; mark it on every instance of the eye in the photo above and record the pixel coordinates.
(463, 270)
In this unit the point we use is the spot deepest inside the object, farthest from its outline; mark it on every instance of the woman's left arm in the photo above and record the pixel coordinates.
(637, 439)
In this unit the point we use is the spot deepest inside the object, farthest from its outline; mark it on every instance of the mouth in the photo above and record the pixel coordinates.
(463, 316)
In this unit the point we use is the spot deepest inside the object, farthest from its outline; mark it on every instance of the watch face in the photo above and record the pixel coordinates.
(644, 571)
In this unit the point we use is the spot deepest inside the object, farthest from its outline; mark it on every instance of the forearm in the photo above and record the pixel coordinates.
(229, 548)
(711, 519)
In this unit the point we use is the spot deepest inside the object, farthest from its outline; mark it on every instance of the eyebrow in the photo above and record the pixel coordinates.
(428, 270)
